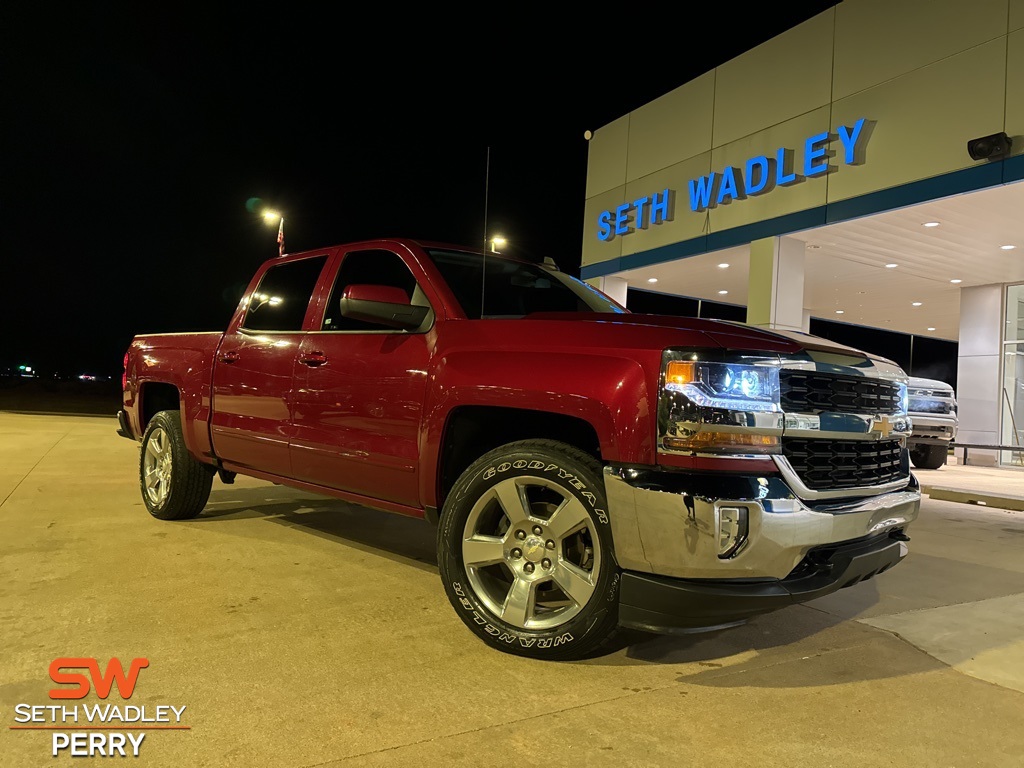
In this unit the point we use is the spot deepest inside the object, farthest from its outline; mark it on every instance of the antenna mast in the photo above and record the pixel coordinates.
(483, 263)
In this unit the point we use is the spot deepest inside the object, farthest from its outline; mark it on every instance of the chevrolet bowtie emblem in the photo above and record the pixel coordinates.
(883, 426)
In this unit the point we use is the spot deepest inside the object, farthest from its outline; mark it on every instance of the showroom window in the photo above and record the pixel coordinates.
(1013, 375)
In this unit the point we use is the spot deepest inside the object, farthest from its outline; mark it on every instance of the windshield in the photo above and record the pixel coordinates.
(514, 289)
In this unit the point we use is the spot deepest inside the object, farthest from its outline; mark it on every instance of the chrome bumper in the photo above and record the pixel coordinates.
(666, 523)
(933, 429)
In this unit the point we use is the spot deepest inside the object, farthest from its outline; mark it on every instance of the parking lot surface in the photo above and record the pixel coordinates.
(302, 631)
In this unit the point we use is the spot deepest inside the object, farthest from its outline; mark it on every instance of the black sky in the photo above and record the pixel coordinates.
(133, 138)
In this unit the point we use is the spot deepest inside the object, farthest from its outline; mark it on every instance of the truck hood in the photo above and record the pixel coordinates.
(918, 382)
(725, 333)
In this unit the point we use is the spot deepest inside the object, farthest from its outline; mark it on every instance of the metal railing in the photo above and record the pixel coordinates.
(983, 446)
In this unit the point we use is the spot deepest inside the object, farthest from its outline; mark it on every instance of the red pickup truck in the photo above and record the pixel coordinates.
(587, 468)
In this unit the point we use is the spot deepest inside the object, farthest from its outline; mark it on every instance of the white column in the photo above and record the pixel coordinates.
(616, 287)
(978, 391)
(775, 291)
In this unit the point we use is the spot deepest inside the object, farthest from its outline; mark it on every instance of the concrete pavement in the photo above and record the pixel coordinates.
(1001, 487)
(300, 631)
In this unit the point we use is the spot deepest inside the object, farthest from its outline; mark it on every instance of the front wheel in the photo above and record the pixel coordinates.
(175, 485)
(525, 551)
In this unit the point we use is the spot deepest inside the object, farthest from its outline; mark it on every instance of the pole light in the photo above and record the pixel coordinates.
(498, 242)
(272, 217)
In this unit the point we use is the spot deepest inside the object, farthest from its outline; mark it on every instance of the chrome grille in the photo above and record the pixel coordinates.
(828, 465)
(813, 392)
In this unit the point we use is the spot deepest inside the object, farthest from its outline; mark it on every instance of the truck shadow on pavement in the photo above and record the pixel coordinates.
(408, 540)
(729, 657)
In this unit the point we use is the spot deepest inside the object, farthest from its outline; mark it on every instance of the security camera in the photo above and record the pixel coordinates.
(992, 147)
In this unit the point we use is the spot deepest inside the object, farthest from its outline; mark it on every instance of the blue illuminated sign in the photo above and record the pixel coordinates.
(757, 176)
(642, 212)
(761, 174)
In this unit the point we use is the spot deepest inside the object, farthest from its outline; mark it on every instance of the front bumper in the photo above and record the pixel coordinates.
(665, 605)
(932, 430)
(665, 527)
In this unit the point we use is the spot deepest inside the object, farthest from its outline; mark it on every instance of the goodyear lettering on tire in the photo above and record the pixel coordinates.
(562, 474)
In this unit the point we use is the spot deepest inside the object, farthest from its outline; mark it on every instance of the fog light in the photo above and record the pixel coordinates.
(732, 530)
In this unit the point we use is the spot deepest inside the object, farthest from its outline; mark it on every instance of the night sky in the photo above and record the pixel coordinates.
(134, 137)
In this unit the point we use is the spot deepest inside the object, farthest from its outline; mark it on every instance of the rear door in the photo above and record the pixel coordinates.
(360, 387)
(255, 365)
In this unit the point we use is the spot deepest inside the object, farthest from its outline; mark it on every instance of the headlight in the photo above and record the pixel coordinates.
(904, 400)
(711, 404)
(724, 385)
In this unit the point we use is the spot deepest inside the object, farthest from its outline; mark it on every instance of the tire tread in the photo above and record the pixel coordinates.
(585, 650)
(192, 480)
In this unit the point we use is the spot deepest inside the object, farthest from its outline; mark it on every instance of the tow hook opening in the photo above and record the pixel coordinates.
(899, 535)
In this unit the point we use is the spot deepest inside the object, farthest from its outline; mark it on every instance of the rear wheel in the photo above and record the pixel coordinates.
(525, 551)
(928, 456)
(175, 485)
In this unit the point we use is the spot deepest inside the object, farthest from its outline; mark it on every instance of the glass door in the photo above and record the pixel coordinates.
(1012, 394)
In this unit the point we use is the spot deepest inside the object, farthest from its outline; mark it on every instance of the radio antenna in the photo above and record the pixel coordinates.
(483, 263)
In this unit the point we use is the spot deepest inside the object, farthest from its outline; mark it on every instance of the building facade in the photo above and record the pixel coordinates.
(865, 166)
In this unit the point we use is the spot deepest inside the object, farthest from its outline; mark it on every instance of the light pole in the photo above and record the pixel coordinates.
(271, 217)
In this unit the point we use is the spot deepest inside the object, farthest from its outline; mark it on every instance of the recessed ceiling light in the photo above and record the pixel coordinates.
(652, 279)
(931, 329)
(723, 265)
(840, 311)
(1007, 247)
(814, 247)
(930, 224)
(722, 293)
(891, 266)
(917, 303)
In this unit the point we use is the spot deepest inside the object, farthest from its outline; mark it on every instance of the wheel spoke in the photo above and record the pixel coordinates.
(574, 581)
(520, 603)
(511, 496)
(152, 477)
(570, 516)
(153, 449)
(480, 551)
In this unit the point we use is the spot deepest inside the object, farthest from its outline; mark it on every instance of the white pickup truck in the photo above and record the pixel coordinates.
(932, 410)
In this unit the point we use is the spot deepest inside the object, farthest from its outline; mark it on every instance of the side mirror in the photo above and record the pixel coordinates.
(383, 304)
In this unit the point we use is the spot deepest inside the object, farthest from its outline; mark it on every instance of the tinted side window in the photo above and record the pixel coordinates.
(280, 302)
(376, 267)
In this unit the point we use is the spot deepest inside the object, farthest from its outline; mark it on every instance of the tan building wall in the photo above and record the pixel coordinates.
(929, 75)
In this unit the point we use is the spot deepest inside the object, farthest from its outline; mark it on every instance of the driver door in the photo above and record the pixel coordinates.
(359, 390)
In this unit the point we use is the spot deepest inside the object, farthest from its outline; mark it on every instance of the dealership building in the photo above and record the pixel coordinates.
(865, 167)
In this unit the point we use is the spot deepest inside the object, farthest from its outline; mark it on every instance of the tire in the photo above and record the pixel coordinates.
(928, 456)
(525, 552)
(174, 484)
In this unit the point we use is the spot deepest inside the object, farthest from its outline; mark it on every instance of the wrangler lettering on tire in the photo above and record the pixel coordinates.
(525, 551)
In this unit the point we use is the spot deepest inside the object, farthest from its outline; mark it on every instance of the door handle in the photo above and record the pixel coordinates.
(313, 359)
(229, 357)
